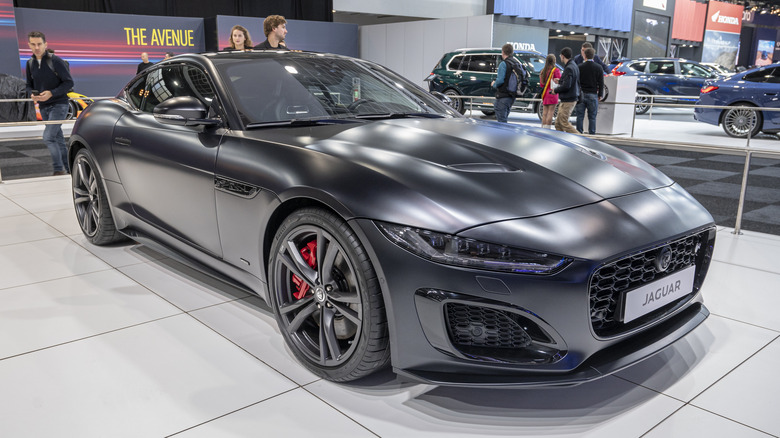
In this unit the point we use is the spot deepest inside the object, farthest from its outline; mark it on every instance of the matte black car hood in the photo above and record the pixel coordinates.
(465, 172)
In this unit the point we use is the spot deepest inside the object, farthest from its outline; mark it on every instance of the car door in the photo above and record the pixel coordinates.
(692, 77)
(479, 71)
(662, 77)
(762, 88)
(167, 170)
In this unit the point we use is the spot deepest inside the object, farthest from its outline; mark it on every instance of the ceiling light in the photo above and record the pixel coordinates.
(571, 32)
(557, 30)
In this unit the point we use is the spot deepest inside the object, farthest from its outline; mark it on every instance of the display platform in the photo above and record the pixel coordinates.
(121, 341)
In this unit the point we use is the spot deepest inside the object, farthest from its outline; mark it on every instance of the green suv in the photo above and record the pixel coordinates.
(469, 72)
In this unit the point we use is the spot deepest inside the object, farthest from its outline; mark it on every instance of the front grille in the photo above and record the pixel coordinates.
(611, 281)
(477, 326)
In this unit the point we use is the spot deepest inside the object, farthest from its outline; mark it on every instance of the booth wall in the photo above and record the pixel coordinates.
(104, 49)
(315, 36)
(9, 55)
(414, 8)
(411, 49)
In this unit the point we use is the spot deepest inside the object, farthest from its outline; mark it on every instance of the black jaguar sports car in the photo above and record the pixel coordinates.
(385, 228)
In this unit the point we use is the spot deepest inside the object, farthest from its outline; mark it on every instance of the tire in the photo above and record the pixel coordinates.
(457, 104)
(489, 113)
(91, 203)
(329, 307)
(641, 98)
(738, 122)
(73, 110)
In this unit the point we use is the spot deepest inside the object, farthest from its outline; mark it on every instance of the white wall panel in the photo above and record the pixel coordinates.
(414, 63)
(412, 48)
(414, 8)
(372, 43)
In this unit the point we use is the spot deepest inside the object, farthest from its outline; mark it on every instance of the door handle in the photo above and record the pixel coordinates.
(122, 141)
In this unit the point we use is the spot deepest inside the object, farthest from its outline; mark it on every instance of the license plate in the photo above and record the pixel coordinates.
(657, 294)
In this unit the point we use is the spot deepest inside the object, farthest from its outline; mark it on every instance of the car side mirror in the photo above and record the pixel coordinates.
(442, 97)
(183, 111)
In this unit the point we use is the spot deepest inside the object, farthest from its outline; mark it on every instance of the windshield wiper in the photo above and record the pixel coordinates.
(400, 116)
(295, 122)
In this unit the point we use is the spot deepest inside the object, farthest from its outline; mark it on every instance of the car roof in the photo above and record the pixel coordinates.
(490, 49)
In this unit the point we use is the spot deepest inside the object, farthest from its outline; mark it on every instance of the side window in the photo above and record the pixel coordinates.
(638, 66)
(173, 81)
(662, 67)
(694, 70)
(455, 62)
(533, 63)
(136, 92)
(481, 64)
(773, 77)
(763, 75)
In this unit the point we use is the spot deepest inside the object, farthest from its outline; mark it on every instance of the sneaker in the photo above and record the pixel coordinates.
(59, 173)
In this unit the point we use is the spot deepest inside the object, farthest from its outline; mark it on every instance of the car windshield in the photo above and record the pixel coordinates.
(273, 91)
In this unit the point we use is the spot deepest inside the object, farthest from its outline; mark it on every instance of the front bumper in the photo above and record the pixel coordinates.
(556, 311)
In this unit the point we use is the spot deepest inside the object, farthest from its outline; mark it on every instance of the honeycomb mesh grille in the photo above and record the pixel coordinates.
(611, 281)
(477, 326)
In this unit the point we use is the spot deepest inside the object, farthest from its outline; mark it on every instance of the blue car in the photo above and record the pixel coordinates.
(759, 87)
(662, 77)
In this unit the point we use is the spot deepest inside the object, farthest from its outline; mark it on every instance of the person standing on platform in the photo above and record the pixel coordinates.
(48, 82)
(275, 29)
(568, 92)
(144, 64)
(592, 86)
(548, 79)
(506, 93)
(239, 39)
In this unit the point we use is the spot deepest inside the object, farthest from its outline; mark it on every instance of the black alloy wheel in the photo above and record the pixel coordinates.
(89, 199)
(738, 122)
(457, 104)
(642, 97)
(326, 297)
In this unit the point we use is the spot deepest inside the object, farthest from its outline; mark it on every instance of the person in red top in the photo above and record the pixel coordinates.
(548, 78)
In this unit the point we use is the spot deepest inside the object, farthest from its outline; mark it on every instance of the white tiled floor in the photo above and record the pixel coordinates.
(121, 341)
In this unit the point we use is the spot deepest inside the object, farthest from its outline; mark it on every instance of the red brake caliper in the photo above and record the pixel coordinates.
(309, 254)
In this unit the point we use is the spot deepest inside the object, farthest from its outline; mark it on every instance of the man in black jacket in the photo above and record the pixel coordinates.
(592, 86)
(568, 90)
(48, 82)
(579, 59)
(275, 29)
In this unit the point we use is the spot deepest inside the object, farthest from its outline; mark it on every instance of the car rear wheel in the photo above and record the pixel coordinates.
(326, 297)
(91, 202)
(489, 113)
(540, 110)
(642, 97)
(457, 104)
(738, 122)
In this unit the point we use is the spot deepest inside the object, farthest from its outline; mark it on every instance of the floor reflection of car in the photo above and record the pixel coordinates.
(384, 228)
(469, 72)
(759, 87)
(77, 104)
(664, 77)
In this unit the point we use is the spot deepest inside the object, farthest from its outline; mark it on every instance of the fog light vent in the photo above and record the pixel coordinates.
(476, 326)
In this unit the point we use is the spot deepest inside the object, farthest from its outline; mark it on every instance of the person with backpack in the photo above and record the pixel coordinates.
(48, 82)
(511, 81)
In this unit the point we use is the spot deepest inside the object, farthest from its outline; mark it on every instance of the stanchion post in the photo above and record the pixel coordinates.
(743, 189)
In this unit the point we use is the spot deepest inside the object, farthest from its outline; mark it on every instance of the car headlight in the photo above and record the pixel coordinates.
(470, 253)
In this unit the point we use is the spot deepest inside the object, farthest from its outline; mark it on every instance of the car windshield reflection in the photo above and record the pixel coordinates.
(285, 91)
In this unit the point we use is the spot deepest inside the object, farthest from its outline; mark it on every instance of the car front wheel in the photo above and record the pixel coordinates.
(643, 102)
(738, 122)
(326, 297)
(90, 201)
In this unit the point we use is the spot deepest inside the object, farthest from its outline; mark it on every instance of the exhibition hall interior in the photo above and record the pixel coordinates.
(338, 218)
